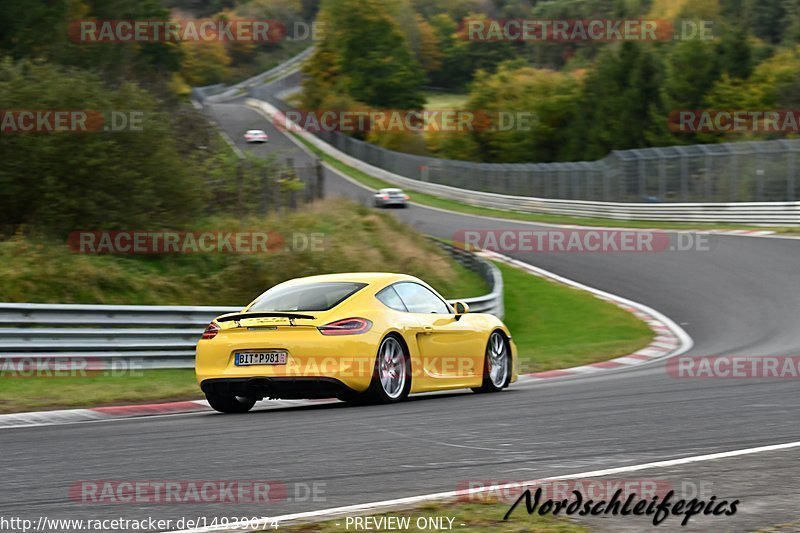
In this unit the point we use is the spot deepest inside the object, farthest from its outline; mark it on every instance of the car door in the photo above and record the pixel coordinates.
(450, 355)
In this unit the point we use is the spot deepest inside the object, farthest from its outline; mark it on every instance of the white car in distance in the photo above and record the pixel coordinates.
(256, 136)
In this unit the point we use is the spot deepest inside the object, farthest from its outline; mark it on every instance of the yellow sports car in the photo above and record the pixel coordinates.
(364, 337)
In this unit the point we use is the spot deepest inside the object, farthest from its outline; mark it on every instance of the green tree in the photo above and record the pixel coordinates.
(736, 54)
(94, 179)
(692, 68)
(621, 105)
(371, 58)
(769, 19)
(527, 109)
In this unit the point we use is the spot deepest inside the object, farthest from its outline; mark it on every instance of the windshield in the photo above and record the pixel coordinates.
(306, 297)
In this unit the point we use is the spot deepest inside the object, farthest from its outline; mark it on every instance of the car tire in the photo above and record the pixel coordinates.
(230, 404)
(496, 364)
(388, 386)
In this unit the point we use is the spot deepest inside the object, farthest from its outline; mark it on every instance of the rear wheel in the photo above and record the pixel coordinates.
(391, 378)
(228, 403)
(497, 364)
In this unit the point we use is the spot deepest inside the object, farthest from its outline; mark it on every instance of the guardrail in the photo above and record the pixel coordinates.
(770, 213)
(132, 337)
(221, 92)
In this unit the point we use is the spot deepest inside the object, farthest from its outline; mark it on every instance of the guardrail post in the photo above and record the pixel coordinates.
(319, 171)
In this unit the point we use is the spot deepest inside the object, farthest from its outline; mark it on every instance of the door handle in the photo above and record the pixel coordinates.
(427, 329)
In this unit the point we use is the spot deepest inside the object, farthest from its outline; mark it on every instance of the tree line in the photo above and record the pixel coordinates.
(589, 98)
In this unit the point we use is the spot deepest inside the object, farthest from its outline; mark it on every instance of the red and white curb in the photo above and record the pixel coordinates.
(70, 416)
(745, 232)
(100, 414)
(670, 339)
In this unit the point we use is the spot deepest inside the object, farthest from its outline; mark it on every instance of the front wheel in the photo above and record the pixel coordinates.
(228, 403)
(497, 365)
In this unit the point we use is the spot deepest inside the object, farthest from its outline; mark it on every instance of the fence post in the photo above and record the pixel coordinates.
(642, 169)
(265, 191)
(790, 176)
(684, 178)
(320, 177)
(309, 184)
(239, 186)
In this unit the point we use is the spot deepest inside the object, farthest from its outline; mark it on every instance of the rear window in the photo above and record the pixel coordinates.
(307, 297)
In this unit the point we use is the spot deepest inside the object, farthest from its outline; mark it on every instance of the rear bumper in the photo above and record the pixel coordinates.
(349, 360)
(271, 387)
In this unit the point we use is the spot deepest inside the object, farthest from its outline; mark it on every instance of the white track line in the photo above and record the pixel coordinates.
(385, 505)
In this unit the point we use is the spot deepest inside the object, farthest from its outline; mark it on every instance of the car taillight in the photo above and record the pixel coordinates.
(407, 197)
(385, 197)
(211, 331)
(348, 326)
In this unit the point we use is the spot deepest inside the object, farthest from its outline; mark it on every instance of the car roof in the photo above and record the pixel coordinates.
(255, 131)
(391, 190)
(379, 278)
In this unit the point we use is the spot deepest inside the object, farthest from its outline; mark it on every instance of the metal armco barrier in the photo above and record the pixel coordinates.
(141, 336)
(222, 92)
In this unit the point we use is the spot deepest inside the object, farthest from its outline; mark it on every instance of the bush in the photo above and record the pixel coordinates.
(65, 181)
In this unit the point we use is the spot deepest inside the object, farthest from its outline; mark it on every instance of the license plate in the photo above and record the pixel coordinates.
(260, 358)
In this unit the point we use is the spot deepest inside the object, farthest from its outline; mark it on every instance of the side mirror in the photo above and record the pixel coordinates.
(460, 308)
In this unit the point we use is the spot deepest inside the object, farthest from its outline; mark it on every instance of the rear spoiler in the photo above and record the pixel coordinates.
(244, 316)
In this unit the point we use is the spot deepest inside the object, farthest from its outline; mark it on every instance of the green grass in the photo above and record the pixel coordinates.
(442, 101)
(451, 205)
(482, 517)
(357, 239)
(555, 326)
(21, 393)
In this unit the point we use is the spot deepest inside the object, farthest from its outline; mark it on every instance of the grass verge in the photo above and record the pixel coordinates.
(483, 517)
(555, 326)
(451, 205)
(18, 394)
(444, 101)
(354, 239)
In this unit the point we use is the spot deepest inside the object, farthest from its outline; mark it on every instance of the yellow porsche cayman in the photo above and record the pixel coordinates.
(357, 337)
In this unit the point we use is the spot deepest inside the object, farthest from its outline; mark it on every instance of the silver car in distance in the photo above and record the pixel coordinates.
(391, 197)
